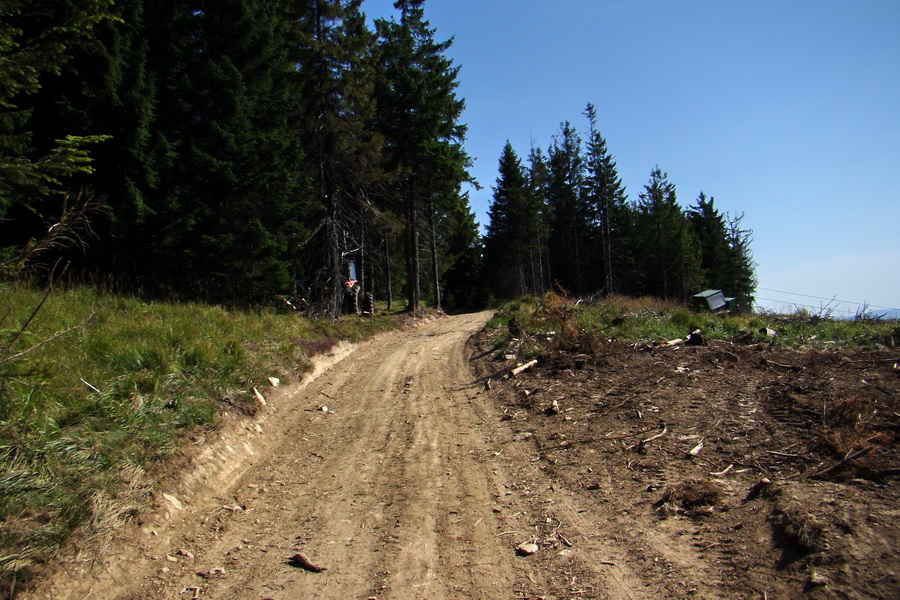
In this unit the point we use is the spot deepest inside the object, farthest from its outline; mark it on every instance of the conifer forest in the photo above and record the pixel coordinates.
(260, 151)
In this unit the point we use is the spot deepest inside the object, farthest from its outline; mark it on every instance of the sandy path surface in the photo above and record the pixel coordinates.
(403, 488)
(396, 469)
(419, 483)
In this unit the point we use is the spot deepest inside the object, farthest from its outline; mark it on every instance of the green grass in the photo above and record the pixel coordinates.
(86, 417)
(650, 320)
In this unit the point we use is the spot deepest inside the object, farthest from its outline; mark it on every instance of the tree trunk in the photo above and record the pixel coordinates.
(435, 271)
(412, 254)
(363, 276)
(333, 305)
(387, 265)
(607, 247)
(578, 283)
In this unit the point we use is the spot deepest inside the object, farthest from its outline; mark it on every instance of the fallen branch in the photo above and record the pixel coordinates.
(665, 430)
(90, 386)
(625, 435)
(723, 471)
(788, 367)
(522, 368)
(15, 337)
(563, 445)
(57, 335)
(853, 454)
(882, 473)
(569, 443)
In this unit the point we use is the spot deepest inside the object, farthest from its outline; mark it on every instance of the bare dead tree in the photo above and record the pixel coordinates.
(73, 229)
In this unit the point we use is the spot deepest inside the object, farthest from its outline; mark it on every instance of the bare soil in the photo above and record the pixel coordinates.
(413, 467)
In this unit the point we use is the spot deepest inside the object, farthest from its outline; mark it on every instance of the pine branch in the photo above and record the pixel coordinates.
(6, 359)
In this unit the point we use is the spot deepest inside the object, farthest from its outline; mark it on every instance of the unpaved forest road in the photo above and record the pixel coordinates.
(408, 487)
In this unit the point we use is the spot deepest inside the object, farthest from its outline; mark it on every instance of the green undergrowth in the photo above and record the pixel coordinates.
(553, 319)
(87, 418)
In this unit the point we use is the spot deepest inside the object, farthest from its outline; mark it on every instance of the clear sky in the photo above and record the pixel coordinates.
(785, 110)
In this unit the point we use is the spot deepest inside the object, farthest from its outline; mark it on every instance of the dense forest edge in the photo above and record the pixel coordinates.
(247, 152)
(190, 192)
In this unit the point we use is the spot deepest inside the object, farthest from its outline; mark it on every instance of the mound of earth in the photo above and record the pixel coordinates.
(723, 470)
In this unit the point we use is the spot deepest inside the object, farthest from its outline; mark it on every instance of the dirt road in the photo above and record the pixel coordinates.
(636, 473)
(390, 470)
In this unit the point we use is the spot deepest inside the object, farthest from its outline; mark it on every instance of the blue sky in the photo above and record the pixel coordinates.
(787, 111)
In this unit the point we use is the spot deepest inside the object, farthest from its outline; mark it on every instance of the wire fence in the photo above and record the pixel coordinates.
(828, 306)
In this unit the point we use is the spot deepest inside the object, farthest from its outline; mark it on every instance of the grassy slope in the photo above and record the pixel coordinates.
(85, 416)
(650, 320)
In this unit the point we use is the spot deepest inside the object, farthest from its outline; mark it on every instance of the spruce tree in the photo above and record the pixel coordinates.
(333, 85)
(670, 253)
(459, 247)
(505, 239)
(606, 200)
(568, 217)
(418, 115)
(108, 87)
(229, 197)
(538, 233)
(739, 263)
(201, 173)
(726, 259)
(708, 225)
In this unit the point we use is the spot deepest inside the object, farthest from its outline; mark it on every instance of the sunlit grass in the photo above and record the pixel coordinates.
(650, 320)
(83, 415)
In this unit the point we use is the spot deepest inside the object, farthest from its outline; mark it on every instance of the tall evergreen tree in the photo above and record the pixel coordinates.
(334, 90)
(725, 251)
(670, 253)
(418, 115)
(505, 262)
(569, 219)
(110, 87)
(538, 234)
(460, 248)
(739, 260)
(201, 172)
(227, 100)
(709, 227)
(607, 203)
(570, 223)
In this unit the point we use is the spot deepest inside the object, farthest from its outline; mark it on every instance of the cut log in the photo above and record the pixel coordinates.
(723, 471)
(522, 368)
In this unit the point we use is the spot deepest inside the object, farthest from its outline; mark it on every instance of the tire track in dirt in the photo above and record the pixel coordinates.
(409, 486)
(386, 490)
(385, 486)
